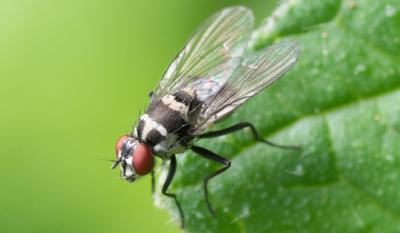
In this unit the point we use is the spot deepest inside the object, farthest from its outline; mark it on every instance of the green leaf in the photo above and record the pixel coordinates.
(341, 103)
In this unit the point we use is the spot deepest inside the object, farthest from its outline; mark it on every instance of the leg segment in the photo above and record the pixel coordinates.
(153, 183)
(241, 126)
(214, 157)
(170, 176)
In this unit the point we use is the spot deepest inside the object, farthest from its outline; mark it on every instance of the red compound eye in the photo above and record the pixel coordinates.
(142, 159)
(119, 143)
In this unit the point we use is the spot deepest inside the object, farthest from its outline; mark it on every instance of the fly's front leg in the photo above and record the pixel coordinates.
(153, 183)
(214, 157)
(241, 126)
(170, 176)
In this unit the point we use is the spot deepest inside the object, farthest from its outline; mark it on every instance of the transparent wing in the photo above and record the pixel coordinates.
(255, 72)
(212, 51)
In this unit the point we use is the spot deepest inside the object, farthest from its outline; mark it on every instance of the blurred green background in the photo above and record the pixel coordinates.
(74, 76)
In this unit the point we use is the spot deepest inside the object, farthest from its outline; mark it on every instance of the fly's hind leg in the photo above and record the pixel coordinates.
(241, 126)
(214, 157)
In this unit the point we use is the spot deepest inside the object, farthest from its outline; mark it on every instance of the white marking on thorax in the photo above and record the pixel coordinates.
(170, 101)
(150, 124)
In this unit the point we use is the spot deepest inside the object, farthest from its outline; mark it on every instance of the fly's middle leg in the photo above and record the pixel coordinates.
(214, 157)
(241, 126)
(168, 180)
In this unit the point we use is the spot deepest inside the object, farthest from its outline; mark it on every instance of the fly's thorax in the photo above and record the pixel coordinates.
(177, 105)
(167, 122)
(171, 114)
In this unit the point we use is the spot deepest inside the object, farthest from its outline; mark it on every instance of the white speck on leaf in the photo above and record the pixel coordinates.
(244, 213)
(264, 195)
(393, 177)
(389, 157)
(380, 192)
(199, 215)
(359, 221)
(288, 201)
(359, 69)
(390, 10)
(298, 171)
(302, 203)
(306, 217)
(377, 117)
(325, 52)
(315, 72)
(342, 56)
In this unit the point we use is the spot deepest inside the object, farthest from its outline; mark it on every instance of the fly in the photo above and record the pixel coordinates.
(209, 78)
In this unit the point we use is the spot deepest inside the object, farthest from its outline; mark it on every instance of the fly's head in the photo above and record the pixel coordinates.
(135, 158)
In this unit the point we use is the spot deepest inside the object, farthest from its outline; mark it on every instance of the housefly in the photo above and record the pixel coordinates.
(208, 79)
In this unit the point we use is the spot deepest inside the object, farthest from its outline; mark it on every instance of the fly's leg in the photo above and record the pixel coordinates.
(241, 126)
(214, 157)
(153, 183)
(170, 176)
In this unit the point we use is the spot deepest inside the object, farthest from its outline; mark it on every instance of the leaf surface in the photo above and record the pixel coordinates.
(341, 103)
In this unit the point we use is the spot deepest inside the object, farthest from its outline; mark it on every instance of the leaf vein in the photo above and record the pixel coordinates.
(373, 47)
(370, 197)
